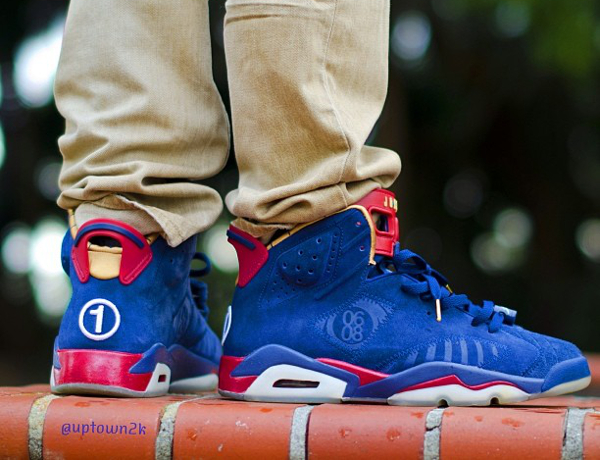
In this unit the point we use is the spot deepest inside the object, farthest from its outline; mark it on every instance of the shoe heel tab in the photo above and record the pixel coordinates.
(383, 204)
(136, 253)
(252, 254)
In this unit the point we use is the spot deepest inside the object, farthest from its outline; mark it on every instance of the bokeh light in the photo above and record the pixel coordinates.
(464, 194)
(221, 253)
(2, 146)
(505, 248)
(46, 241)
(493, 256)
(15, 248)
(587, 238)
(512, 18)
(411, 36)
(47, 173)
(51, 287)
(35, 65)
(513, 227)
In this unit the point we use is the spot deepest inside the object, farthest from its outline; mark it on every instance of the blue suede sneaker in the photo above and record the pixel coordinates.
(336, 311)
(136, 323)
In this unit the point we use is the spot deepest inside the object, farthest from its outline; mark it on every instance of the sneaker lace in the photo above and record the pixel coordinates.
(199, 288)
(422, 280)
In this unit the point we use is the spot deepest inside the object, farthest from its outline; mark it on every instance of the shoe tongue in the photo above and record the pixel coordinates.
(382, 205)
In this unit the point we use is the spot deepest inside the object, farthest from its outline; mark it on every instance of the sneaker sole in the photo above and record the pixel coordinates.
(279, 374)
(112, 373)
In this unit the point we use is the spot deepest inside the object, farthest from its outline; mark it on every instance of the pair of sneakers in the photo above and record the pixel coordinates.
(332, 311)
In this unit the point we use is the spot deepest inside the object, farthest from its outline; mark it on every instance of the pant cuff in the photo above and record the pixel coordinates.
(146, 219)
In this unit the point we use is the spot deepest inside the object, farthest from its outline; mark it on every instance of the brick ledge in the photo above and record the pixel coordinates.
(35, 424)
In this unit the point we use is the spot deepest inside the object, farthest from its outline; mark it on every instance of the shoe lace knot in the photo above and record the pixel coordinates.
(199, 288)
(422, 280)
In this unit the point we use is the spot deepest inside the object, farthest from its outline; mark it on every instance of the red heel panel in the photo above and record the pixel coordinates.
(229, 383)
(98, 367)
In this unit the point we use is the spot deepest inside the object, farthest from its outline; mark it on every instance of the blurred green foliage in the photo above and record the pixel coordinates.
(564, 35)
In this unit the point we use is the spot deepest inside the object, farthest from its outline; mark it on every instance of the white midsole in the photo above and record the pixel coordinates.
(567, 387)
(206, 382)
(457, 395)
(331, 389)
(157, 386)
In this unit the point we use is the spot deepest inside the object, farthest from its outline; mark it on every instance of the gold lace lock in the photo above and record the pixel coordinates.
(438, 310)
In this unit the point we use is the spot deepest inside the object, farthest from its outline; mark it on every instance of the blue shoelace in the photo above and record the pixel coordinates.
(422, 280)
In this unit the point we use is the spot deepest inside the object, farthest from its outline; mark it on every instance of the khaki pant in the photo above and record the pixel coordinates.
(145, 123)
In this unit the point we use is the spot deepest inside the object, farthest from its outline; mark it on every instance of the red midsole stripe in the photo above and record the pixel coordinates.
(454, 380)
(366, 376)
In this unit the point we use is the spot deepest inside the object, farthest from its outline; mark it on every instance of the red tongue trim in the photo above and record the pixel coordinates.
(383, 204)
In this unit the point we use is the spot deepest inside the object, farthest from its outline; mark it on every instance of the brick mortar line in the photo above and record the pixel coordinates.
(433, 431)
(299, 433)
(572, 439)
(163, 445)
(572, 448)
(35, 425)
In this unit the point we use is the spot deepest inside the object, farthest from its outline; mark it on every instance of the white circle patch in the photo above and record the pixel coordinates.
(98, 312)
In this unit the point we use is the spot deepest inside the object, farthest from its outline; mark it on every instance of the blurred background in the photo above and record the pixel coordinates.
(494, 107)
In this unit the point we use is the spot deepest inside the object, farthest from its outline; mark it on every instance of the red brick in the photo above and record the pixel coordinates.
(563, 401)
(14, 429)
(366, 432)
(232, 429)
(28, 389)
(594, 363)
(36, 388)
(501, 433)
(117, 412)
(591, 436)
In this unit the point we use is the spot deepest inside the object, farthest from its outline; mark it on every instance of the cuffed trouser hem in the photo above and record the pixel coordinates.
(174, 228)
(308, 207)
(307, 83)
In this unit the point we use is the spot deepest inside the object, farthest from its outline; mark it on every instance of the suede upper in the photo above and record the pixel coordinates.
(157, 307)
(318, 294)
